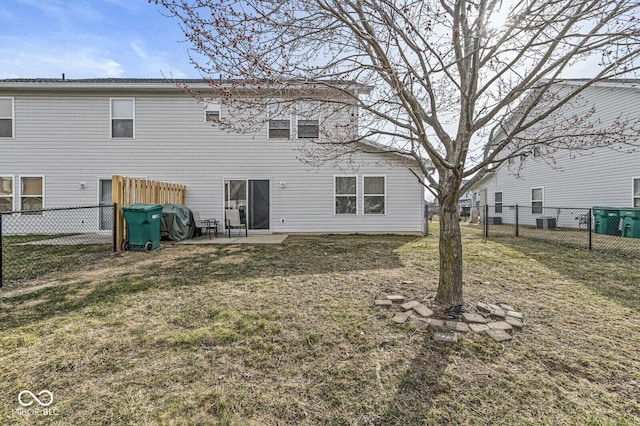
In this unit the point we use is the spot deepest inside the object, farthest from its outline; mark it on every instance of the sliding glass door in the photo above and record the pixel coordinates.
(251, 198)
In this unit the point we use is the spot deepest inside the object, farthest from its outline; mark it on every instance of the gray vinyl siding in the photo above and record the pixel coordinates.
(66, 138)
(598, 177)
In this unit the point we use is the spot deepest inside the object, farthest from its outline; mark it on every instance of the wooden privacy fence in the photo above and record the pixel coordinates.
(127, 191)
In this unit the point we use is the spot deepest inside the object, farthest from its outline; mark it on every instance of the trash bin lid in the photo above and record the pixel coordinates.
(142, 208)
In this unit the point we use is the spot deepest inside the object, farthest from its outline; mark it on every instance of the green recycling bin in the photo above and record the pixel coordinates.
(630, 222)
(143, 222)
(607, 220)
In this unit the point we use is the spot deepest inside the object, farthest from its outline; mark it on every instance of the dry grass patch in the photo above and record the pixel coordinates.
(289, 334)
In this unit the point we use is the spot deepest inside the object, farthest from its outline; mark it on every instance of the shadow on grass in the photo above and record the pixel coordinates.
(612, 276)
(302, 255)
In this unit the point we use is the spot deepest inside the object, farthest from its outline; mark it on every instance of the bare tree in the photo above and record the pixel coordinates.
(445, 76)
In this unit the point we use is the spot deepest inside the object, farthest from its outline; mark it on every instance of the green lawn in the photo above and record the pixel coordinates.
(255, 335)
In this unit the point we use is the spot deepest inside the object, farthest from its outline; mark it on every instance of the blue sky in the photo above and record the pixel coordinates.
(90, 39)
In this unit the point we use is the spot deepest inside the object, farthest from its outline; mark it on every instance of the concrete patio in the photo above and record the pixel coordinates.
(251, 239)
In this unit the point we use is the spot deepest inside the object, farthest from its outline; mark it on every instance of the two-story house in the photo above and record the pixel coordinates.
(62, 140)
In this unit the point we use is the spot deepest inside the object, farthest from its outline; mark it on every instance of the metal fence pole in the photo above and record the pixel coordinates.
(114, 227)
(517, 223)
(589, 230)
(486, 220)
(1, 260)
(426, 220)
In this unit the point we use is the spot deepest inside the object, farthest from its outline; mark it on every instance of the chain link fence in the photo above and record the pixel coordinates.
(615, 231)
(37, 242)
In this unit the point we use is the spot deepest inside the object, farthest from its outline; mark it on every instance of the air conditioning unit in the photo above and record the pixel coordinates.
(545, 222)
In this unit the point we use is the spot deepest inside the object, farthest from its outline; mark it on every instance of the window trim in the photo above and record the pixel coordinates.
(284, 115)
(497, 203)
(32, 196)
(12, 118)
(537, 152)
(13, 191)
(534, 208)
(335, 195)
(133, 118)
(364, 194)
(208, 106)
(634, 197)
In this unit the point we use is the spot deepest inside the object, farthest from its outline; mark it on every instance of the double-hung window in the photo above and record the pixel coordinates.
(6, 193)
(32, 193)
(212, 111)
(537, 152)
(308, 116)
(537, 198)
(498, 202)
(123, 118)
(374, 195)
(636, 192)
(279, 122)
(6, 117)
(346, 194)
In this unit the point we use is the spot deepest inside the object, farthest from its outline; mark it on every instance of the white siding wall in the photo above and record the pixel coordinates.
(66, 138)
(599, 177)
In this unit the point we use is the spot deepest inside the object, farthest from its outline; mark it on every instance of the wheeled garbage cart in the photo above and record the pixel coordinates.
(143, 224)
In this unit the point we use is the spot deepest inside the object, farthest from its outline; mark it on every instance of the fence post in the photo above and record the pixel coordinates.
(426, 220)
(114, 230)
(517, 223)
(589, 230)
(486, 220)
(1, 259)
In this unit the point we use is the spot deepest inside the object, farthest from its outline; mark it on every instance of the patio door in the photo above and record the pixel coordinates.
(106, 213)
(252, 198)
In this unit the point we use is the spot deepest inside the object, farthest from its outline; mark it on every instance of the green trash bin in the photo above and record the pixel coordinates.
(143, 222)
(630, 222)
(607, 220)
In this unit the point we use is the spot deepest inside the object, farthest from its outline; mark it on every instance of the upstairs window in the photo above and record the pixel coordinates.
(6, 117)
(537, 152)
(537, 197)
(636, 192)
(122, 118)
(6, 193)
(212, 111)
(279, 122)
(498, 202)
(32, 193)
(374, 194)
(308, 120)
(346, 195)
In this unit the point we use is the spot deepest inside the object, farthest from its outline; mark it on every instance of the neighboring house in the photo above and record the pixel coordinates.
(62, 140)
(604, 176)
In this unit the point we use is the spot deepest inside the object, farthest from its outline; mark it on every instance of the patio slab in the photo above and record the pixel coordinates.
(252, 239)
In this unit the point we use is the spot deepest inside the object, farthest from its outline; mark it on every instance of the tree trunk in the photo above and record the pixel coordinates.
(450, 284)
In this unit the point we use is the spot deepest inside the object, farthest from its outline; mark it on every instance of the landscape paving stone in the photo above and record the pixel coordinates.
(457, 326)
(445, 337)
(400, 318)
(383, 302)
(506, 307)
(396, 298)
(483, 307)
(500, 325)
(473, 318)
(514, 314)
(499, 335)
(436, 323)
(514, 322)
(420, 309)
(478, 328)
(421, 323)
(407, 306)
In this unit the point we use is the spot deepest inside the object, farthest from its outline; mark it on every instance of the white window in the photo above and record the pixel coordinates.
(6, 193)
(537, 198)
(122, 118)
(346, 194)
(374, 194)
(498, 202)
(636, 192)
(6, 117)
(537, 152)
(279, 122)
(511, 160)
(212, 111)
(32, 193)
(308, 116)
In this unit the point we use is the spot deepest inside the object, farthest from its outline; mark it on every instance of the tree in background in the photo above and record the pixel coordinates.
(459, 86)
